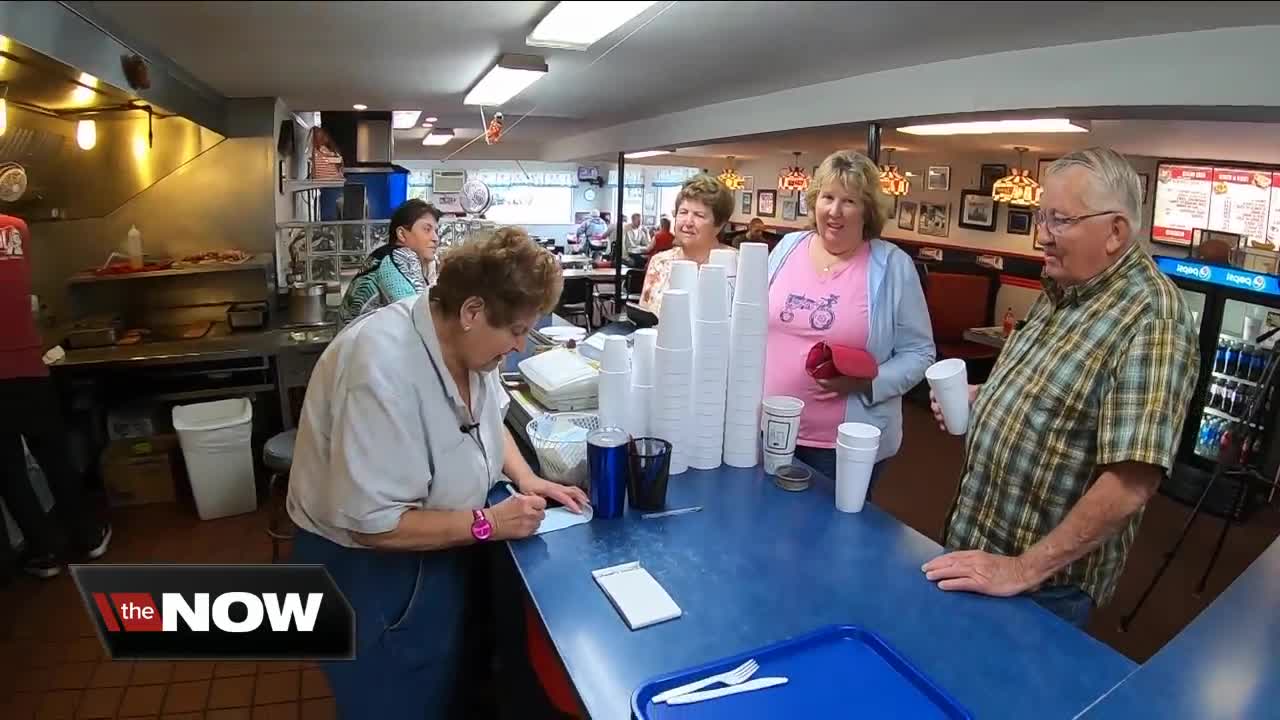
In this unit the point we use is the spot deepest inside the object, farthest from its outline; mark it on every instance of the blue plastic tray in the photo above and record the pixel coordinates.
(836, 671)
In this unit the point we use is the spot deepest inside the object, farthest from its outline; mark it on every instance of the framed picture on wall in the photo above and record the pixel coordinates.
(1041, 164)
(749, 183)
(938, 177)
(744, 206)
(907, 214)
(977, 210)
(789, 208)
(765, 202)
(933, 219)
(1018, 222)
(989, 174)
(802, 204)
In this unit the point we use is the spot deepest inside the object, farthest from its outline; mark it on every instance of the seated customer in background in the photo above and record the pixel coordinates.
(399, 269)
(1072, 433)
(663, 240)
(755, 232)
(702, 208)
(840, 283)
(635, 243)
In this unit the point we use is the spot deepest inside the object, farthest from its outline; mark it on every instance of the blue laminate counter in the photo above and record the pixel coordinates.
(1225, 664)
(758, 565)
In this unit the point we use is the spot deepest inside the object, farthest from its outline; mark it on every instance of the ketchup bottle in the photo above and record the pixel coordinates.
(1008, 322)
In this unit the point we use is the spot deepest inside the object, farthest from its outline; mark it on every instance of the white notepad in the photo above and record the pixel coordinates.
(637, 596)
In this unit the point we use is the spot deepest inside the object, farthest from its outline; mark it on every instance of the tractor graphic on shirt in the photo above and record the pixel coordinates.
(823, 314)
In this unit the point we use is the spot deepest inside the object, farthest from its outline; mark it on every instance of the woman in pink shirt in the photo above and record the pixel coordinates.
(841, 284)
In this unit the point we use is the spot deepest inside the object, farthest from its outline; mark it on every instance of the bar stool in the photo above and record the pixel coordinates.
(277, 455)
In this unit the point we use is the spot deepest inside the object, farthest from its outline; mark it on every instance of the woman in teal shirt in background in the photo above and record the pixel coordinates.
(398, 269)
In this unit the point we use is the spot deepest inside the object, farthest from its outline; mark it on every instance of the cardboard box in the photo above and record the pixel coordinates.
(140, 471)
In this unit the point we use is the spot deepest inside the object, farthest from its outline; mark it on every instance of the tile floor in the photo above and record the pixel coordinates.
(57, 669)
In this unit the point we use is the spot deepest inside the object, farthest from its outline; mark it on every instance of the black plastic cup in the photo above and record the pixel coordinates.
(648, 473)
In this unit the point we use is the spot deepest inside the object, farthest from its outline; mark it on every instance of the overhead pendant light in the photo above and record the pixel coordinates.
(793, 178)
(506, 79)
(578, 25)
(1017, 188)
(438, 136)
(87, 134)
(730, 178)
(893, 182)
(991, 127)
(404, 119)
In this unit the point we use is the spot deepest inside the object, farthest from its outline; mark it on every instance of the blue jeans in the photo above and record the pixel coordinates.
(409, 616)
(824, 461)
(1067, 602)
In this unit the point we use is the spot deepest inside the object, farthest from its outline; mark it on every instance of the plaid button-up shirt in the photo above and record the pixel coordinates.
(1100, 373)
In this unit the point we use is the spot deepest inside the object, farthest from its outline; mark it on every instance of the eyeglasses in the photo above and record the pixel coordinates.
(1058, 224)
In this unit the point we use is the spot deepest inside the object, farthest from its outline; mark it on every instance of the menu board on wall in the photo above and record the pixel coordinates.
(1235, 200)
(1273, 224)
(1182, 202)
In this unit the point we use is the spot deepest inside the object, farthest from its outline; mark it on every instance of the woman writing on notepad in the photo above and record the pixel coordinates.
(840, 284)
(702, 208)
(400, 441)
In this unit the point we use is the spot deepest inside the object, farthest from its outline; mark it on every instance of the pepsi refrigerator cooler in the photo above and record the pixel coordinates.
(1233, 307)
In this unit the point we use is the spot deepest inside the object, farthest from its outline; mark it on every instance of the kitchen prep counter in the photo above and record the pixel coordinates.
(221, 343)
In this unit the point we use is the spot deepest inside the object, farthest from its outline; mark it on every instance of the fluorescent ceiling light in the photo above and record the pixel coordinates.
(359, 106)
(578, 25)
(439, 136)
(404, 119)
(431, 119)
(426, 125)
(511, 75)
(645, 154)
(989, 127)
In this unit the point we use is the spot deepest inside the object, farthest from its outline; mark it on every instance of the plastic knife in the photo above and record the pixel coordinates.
(748, 686)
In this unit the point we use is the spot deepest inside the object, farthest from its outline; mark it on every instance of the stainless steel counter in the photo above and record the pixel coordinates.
(220, 343)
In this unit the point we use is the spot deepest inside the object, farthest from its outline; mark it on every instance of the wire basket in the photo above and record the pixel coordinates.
(561, 461)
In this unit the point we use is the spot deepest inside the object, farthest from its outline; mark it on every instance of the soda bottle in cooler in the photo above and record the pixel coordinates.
(1233, 358)
(1243, 358)
(1220, 357)
(1257, 365)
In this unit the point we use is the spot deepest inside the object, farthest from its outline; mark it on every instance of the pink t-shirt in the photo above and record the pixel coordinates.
(804, 308)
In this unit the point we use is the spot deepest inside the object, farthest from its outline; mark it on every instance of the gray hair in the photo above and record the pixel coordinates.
(1114, 184)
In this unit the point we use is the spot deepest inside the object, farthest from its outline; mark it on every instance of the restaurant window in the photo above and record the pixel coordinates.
(420, 185)
(531, 205)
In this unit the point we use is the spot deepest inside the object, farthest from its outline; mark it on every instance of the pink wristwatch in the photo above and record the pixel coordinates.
(480, 527)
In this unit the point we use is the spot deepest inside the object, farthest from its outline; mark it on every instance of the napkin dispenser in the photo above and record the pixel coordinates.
(561, 380)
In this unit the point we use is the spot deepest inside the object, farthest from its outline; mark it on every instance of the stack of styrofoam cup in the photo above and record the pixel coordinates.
(643, 343)
(726, 258)
(710, 368)
(684, 276)
(856, 447)
(615, 383)
(748, 327)
(780, 421)
(673, 377)
(949, 381)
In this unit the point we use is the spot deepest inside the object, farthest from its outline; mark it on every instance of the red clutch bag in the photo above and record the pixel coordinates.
(828, 361)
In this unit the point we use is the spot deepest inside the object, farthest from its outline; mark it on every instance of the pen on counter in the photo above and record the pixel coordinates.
(669, 513)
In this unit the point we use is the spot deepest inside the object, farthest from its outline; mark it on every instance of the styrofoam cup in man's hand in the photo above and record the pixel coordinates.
(949, 380)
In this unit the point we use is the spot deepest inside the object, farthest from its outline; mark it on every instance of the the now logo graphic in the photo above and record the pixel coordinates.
(217, 611)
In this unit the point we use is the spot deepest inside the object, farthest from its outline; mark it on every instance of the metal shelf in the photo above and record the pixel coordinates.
(257, 262)
(294, 186)
(1233, 378)
(1225, 416)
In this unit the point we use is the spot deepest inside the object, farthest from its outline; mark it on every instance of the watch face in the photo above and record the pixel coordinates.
(480, 528)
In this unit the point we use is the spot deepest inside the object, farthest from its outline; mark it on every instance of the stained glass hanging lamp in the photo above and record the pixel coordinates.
(1017, 188)
(793, 178)
(893, 182)
(730, 178)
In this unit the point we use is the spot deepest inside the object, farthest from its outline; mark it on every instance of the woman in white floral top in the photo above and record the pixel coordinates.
(702, 208)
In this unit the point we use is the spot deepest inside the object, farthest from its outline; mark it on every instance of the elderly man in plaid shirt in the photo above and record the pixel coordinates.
(1080, 418)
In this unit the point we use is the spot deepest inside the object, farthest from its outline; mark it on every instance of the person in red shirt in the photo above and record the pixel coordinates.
(663, 239)
(33, 414)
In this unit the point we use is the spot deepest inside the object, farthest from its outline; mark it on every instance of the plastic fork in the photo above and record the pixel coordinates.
(736, 676)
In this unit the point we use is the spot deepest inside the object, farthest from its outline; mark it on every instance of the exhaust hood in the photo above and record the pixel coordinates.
(45, 100)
